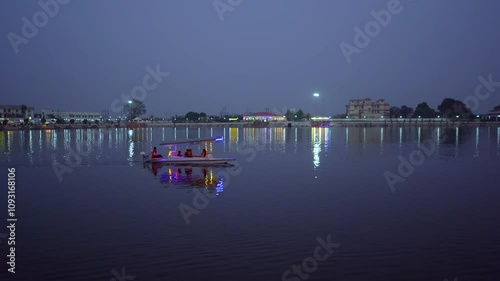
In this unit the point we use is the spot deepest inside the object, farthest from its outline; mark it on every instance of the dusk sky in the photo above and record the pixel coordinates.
(262, 54)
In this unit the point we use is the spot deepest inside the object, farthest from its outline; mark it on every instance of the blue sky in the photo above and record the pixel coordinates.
(264, 54)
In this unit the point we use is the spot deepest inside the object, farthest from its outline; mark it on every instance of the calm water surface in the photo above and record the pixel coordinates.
(291, 187)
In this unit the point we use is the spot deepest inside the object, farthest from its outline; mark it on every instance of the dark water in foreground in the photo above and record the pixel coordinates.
(110, 218)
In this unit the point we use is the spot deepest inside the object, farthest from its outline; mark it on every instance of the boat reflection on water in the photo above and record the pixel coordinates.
(188, 177)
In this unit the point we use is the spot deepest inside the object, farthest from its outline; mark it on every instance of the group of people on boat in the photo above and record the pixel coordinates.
(154, 153)
(188, 153)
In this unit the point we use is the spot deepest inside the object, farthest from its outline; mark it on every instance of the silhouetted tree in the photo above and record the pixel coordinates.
(134, 109)
(394, 112)
(450, 108)
(289, 115)
(192, 116)
(406, 111)
(424, 110)
(299, 114)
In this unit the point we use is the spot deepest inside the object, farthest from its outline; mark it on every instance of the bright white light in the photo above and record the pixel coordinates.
(129, 101)
(316, 94)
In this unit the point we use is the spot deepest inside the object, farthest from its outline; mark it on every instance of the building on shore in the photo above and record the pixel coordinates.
(493, 115)
(264, 116)
(16, 113)
(367, 109)
(68, 115)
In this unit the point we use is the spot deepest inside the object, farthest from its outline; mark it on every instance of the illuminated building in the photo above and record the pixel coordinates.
(264, 116)
(367, 109)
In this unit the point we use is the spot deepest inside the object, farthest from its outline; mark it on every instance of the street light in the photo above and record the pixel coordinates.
(316, 95)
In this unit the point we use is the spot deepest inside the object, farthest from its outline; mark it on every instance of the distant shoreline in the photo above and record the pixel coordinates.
(333, 123)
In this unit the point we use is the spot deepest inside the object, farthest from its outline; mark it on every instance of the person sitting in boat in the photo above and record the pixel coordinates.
(204, 153)
(186, 154)
(179, 153)
(190, 153)
(154, 153)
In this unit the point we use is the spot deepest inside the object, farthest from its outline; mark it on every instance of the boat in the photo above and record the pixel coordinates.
(172, 157)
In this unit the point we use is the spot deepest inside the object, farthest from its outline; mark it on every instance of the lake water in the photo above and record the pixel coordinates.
(103, 215)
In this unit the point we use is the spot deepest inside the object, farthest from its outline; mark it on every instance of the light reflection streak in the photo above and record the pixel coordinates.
(346, 138)
(476, 152)
(438, 139)
(498, 141)
(381, 141)
(400, 137)
(316, 141)
(54, 140)
(419, 136)
(327, 138)
(31, 141)
(40, 140)
(131, 150)
(9, 135)
(456, 142)
(67, 140)
(110, 140)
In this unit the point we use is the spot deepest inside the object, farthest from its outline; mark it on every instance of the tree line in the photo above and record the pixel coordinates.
(447, 109)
